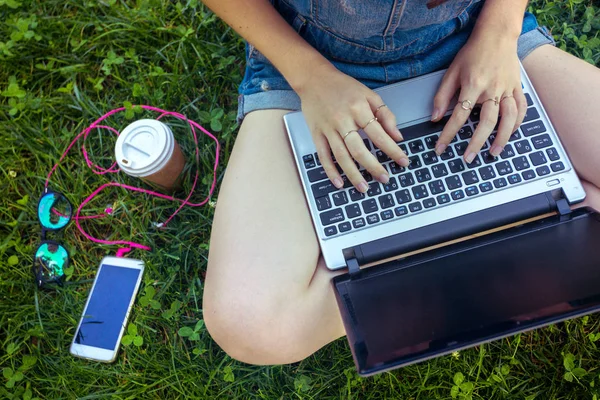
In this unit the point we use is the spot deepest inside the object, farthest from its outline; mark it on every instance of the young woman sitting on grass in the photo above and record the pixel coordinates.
(268, 297)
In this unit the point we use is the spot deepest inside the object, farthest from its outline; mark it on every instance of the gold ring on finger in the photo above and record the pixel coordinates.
(371, 120)
(347, 133)
(466, 104)
(495, 100)
(378, 108)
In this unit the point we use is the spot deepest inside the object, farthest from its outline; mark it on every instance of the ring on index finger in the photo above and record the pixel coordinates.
(466, 104)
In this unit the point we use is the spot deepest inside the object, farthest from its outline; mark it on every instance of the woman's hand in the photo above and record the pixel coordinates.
(335, 107)
(486, 70)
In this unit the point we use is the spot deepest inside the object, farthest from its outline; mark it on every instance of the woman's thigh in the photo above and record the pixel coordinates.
(570, 92)
(267, 297)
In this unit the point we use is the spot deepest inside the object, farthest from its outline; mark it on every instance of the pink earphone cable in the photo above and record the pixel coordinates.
(96, 169)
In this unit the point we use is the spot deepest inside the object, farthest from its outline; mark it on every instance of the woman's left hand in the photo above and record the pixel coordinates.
(487, 72)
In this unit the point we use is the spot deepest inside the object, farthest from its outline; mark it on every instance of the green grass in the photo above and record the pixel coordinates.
(63, 63)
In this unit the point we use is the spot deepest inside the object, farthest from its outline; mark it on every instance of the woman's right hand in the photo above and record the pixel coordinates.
(335, 104)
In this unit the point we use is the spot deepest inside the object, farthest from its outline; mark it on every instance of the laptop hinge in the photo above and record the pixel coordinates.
(353, 267)
(562, 206)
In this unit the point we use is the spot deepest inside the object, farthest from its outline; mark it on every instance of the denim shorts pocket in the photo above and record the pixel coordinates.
(416, 14)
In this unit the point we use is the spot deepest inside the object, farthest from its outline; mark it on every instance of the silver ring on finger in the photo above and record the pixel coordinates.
(371, 120)
(466, 104)
(347, 133)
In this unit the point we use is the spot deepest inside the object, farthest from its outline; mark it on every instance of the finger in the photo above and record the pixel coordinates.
(324, 152)
(385, 116)
(458, 118)
(346, 162)
(359, 152)
(487, 122)
(521, 106)
(443, 97)
(385, 143)
(508, 109)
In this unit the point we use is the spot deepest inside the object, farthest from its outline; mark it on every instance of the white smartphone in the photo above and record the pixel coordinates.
(107, 309)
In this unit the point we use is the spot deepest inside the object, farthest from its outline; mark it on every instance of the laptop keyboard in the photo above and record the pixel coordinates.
(431, 181)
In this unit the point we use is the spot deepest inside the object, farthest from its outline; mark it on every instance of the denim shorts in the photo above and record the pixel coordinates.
(375, 42)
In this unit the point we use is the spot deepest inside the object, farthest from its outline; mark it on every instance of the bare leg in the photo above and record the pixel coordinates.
(268, 297)
(570, 91)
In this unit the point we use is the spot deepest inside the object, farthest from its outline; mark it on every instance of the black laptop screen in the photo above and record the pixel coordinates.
(506, 286)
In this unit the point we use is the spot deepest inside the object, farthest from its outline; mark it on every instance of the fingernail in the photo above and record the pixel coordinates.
(436, 114)
(384, 178)
(470, 157)
(440, 148)
(400, 133)
(363, 187)
(338, 183)
(404, 162)
(496, 150)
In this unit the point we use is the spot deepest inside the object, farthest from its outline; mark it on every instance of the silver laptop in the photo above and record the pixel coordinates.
(436, 198)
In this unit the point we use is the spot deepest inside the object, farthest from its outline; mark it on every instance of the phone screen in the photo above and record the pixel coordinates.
(109, 301)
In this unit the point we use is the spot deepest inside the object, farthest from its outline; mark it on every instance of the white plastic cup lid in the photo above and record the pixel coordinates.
(144, 147)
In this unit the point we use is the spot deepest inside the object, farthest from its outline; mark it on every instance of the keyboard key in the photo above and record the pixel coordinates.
(552, 154)
(400, 211)
(416, 146)
(487, 172)
(396, 169)
(527, 175)
(330, 231)
(531, 114)
(523, 146)
(323, 203)
(332, 217)
(529, 100)
(323, 188)
(419, 192)
(439, 170)
(372, 219)
(415, 162)
(538, 158)
(309, 161)
(381, 156)
(557, 166)
(430, 158)
(317, 159)
(475, 163)
(456, 166)
(461, 147)
(515, 136)
(436, 187)
(448, 153)
(358, 223)
(521, 163)
(367, 144)
(386, 201)
(374, 189)
(406, 180)
(500, 183)
(475, 114)
(353, 210)
(504, 168)
(457, 194)
(465, 132)
(541, 141)
(339, 198)
(485, 187)
(507, 152)
(422, 175)
(533, 128)
(366, 175)
(344, 226)
(414, 207)
(443, 198)
(453, 182)
(403, 196)
(347, 182)
(403, 148)
(514, 178)
(430, 141)
(387, 214)
(391, 185)
(472, 191)
(428, 203)
(369, 206)
(542, 171)
(470, 177)
(488, 158)
(317, 174)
